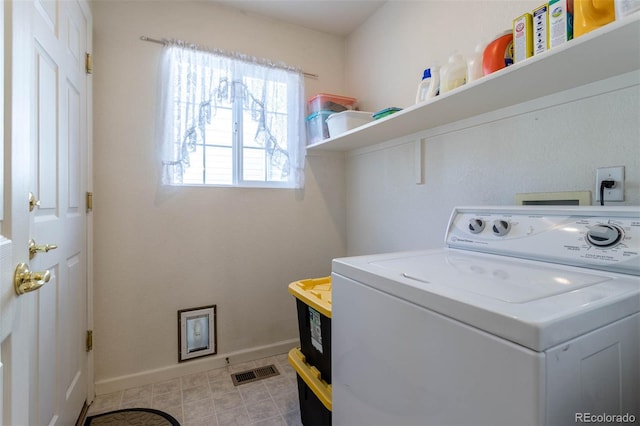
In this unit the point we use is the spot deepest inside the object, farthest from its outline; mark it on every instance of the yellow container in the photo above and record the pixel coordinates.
(591, 14)
(315, 292)
(311, 376)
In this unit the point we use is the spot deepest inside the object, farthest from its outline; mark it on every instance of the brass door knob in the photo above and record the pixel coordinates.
(25, 281)
(33, 203)
(39, 248)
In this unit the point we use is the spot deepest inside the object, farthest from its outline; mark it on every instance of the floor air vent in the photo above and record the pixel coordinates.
(254, 375)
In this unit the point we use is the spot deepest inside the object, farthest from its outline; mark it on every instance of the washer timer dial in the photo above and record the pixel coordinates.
(501, 227)
(476, 225)
(603, 235)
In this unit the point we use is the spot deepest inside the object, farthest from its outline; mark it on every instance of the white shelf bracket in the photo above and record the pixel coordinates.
(418, 161)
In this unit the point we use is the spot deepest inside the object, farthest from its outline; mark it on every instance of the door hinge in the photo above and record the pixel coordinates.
(88, 63)
(89, 201)
(89, 340)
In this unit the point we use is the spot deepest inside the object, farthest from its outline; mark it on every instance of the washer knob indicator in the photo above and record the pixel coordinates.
(476, 225)
(501, 227)
(604, 235)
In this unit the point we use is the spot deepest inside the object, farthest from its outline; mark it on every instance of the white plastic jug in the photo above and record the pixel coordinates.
(429, 87)
(454, 74)
(474, 64)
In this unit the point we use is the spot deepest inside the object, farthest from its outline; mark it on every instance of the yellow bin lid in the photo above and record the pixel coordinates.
(315, 292)
(311, 376)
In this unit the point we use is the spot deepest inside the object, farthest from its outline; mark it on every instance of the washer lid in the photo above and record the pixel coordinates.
(532, 303)
(495, 278)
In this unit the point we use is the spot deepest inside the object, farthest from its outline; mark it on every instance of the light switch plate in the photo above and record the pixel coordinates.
(611, 173)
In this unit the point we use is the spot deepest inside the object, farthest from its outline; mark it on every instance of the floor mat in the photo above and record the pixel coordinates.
(132, 417)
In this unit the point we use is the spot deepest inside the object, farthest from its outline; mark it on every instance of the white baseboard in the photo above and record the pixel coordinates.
(195, 366)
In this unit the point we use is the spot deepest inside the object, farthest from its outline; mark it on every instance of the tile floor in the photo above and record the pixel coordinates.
(211, 399)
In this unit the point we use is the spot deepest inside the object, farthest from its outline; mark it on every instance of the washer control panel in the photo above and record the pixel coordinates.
(601, 238)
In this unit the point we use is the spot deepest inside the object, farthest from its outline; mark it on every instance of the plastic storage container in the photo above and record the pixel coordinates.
(314, 322)
(317, 129)
(340, 122)
(327, 102)
(313, 392)
(385, 112)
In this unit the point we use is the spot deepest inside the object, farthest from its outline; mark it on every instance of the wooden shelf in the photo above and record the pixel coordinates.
(606, 52)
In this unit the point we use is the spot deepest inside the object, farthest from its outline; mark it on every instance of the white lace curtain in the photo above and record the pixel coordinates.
(195, 81)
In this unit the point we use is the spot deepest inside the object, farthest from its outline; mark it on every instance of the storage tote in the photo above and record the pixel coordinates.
(314, 393)
(327, 102)
(344, 121)
(317, 129)
(313, 300)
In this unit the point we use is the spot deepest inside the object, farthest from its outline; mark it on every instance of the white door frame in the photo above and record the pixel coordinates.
(89, 91)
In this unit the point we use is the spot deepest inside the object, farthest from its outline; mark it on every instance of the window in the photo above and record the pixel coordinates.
(227, 119)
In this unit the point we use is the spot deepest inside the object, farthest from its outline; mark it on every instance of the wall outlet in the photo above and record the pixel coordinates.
(611, 173)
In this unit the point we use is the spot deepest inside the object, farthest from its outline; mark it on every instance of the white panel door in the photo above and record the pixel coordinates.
(59, 182)
(16, 313)
(44, 359)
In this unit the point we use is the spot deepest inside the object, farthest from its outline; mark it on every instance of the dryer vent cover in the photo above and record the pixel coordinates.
(254, 375)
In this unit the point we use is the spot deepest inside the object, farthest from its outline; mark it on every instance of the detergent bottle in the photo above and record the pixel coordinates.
(474, 64)
(498, 54)
(429, 87)
(454, 74)
(591, 14)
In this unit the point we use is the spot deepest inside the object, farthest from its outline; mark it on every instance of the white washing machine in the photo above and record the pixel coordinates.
(529, 316)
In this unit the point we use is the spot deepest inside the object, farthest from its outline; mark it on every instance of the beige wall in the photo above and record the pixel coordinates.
(552, 147)
(159, 250)
(388, 53)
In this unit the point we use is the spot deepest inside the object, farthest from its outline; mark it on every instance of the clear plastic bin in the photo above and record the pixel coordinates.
(327, 102)
(317, 129)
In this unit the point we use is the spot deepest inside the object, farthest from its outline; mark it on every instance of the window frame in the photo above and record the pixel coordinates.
(240, 88)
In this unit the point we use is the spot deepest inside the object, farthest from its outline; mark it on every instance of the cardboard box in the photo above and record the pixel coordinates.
(522, 37)
(626, 7)
(560, 22)
(541, 29)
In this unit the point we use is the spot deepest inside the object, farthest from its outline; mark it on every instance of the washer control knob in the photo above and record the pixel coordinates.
(476, 225)
(501, 227)
(604, 235)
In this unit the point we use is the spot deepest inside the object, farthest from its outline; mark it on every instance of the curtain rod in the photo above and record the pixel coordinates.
(153, 40)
